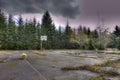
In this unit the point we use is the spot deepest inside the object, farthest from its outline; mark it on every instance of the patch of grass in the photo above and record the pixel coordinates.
(40, 58)
(53, 79)
(36, 58)
(97, 78)
(3, 52)
(39, 52)
(112, 52)
(12, 64)
(110, 73)
(117, 65)
(107, 63)
(54, 66)
(81, 57)
(85, 67)
(54, 60)
(113, 63)
(93, 68)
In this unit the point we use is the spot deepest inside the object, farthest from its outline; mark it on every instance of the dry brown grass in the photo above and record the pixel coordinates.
(97, 68)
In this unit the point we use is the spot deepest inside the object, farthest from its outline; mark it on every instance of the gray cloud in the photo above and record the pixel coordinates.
(103, 6)
(66, 8)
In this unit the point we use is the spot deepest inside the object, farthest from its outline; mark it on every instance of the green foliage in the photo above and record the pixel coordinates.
(97, 78)
(118, 43)
(111, 44)
(117, 31)
(96, 68)
(48, 29)
(95, 34)
(100, 47)
(91, 45)
(26, 35)
(68, 31)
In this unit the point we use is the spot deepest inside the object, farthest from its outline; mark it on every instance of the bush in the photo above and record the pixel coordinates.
(118, 43)
(74, 46)
(91, 45)
(111, 44)
(100, 47)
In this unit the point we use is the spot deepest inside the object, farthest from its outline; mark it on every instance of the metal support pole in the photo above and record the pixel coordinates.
(41, 45)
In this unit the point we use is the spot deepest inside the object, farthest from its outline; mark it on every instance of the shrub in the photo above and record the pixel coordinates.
(91, 45)
(118, 43)
(100, 47)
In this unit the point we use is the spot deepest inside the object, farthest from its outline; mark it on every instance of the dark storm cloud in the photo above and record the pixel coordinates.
(96, 11)
(106, 7)
(57, 7)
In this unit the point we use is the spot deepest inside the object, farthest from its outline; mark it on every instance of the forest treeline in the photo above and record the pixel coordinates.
(26, 35)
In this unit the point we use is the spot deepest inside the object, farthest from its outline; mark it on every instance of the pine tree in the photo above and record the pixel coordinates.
(88, 31)
(11, 36)
(74, 33)
(2, 20)
(118, 43)
(34, 34)
(68, 30)
(117, 31)
(48, 28)
(80, 29)
(20, 21)
(91, 45)
(67, 36)
(21, 33)
(84, 30)
(3, 31)
(60, 32)
(46, 22)
(95, 34)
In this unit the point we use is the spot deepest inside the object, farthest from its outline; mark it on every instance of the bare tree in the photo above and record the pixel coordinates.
(101, 28)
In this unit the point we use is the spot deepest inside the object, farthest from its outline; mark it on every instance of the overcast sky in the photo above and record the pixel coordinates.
(89, 13)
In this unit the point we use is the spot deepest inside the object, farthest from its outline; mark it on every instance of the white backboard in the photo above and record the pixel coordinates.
(43, 38)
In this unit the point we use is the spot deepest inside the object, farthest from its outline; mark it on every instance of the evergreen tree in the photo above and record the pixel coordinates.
(67, 36)
(21, 33)
(117, 31)
(91, 45)
(74, 33)
(80, 29)
(68, 31)
(3, 31)
(84, 30)
(20, 21)
(2, 20)
(95, 34)
(46, 20)
(27, 35)
(11, 36)
(88, 31)
(48, 28)
(60, 32)
(118, 43)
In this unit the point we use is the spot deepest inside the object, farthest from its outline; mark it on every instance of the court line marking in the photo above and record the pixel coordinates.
(40, 75)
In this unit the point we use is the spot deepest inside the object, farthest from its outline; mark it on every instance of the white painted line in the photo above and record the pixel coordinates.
(40, 75)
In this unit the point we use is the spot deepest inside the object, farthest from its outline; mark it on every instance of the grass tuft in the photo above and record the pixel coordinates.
(96, 68)
(97, 78)
(12, 64)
